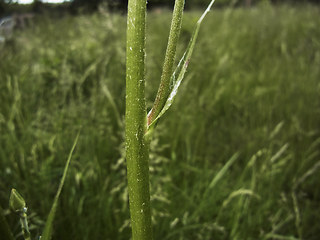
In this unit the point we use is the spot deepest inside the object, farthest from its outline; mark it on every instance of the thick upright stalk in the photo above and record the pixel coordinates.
(165, 85)
(136, 123)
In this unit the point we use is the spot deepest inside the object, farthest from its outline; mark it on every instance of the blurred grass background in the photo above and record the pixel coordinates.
(237, 156)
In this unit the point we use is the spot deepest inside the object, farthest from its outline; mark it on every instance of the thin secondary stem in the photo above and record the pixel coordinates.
(24, 224)
(165, 85)
(136, 123)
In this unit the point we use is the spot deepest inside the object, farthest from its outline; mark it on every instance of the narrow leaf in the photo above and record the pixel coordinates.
(47, 232)
(5, 231)
(181, 69)
(279, 237)
(279, 153)
(223, 170)
(108, 95)
(239, 192)
(214, 182)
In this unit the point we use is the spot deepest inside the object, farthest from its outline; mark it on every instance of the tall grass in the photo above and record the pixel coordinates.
(252, 89)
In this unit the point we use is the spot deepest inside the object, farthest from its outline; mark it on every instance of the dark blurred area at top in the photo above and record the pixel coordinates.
(9, 7)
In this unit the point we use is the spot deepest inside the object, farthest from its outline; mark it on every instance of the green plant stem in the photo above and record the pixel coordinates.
(47, 231)
(136, 123)
(165, 84)
(24, 225)
(178, 74)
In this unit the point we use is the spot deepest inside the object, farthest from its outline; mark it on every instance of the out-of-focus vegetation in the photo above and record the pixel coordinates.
(8, 7)
(238, 157)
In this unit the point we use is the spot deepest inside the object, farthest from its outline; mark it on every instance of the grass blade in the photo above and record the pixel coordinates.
(113, 104)
(181, 69)
(239, 192)
(5, 231)
(47, 232)
(214, 182)
(223, 170)
(280, 237)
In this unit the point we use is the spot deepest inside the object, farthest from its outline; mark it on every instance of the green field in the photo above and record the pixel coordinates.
(236, 157)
